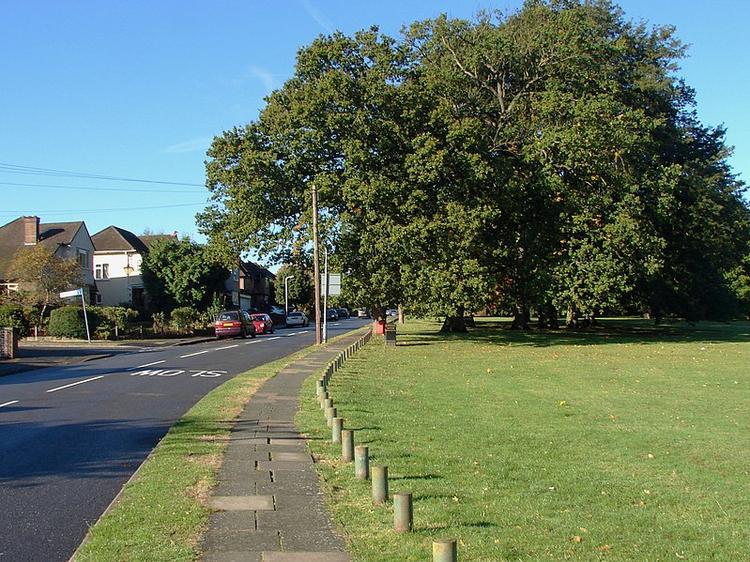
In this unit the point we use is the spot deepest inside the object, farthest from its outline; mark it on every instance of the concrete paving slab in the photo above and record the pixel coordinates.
(305, 557)
(290, 456)
(240, 541)
(284, 465)
(237, 503)
(234, 557)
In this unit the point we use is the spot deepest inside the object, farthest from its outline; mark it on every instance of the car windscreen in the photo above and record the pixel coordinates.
(229, 316)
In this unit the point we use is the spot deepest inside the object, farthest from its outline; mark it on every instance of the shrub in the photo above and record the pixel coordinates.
(184, 319)
(12, 316)
(114, 320)
(68, 322)
(160, 322)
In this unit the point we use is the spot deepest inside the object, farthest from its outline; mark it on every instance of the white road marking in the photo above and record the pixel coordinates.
(75, 383)
(149, 364)
(249, 342)
(9, 403)
(194, 354)
(273, 338)
(228, 346)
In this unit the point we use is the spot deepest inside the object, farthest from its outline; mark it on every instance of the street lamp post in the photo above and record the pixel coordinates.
(286, 296)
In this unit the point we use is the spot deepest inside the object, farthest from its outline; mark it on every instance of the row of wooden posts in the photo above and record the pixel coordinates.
(442, 550)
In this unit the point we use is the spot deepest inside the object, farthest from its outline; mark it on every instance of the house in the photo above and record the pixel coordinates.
(118, 257)
(67, 240)
(251, 286)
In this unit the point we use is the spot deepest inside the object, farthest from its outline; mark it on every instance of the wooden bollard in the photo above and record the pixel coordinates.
(361, 462)
(379, 484)
(444, 550)
(402, 512)
(347, 445)
(330, 414)
(322, 398)
(337, 424)
(319, 388)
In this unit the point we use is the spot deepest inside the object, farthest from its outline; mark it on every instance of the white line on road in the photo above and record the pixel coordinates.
(273, 338)
(228, 347)
(194, 354)
(249, 342)
(75, 383)
(149, 364)
(9, 403)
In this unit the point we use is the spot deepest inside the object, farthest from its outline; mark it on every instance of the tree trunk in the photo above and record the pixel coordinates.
(520, 318)
(572, 318)
(548, 317)
(401, 316)
(454, 323)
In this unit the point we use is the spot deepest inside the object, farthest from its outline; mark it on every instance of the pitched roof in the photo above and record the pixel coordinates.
(51, 235)
(252, 268)
(149, 239)
(116, 238)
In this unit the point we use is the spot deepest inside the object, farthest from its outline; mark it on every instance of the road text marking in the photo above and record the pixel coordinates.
(9, 403)
(149, 364)
(75, 383)
(194, 354)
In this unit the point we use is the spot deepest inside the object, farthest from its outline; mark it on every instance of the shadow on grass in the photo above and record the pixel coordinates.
(608, 331)
(418, 477)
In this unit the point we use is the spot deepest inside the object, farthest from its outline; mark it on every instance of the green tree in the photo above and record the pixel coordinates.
(301, 289)
(42, 275)
(181, 273)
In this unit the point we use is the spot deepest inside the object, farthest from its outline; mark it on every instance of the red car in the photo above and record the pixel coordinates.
(263, 323)
(233, 323)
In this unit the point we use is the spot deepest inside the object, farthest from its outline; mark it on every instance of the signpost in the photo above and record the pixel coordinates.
(75, 293)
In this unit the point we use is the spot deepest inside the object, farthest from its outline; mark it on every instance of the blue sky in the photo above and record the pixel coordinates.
(137, 89)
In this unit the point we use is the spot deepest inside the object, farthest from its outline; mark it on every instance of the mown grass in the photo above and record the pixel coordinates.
(161, 512)
(628, 442)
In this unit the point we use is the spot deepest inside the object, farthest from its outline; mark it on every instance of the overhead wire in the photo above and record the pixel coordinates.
(82, 188)
(32, 170)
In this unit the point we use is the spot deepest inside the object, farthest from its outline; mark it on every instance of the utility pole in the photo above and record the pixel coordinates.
(316, 265)
(325, 296)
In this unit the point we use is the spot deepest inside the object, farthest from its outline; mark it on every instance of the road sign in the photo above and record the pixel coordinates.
(75, 293)
(334, 284)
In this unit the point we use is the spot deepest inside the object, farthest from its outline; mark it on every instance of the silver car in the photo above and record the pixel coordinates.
(296, 319)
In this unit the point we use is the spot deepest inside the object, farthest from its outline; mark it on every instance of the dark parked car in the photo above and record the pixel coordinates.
(343, 313)
(233, 323)
(332, 314)
(263, 323)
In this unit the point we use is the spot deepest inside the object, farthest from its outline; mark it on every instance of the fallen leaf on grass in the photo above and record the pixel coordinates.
(604, 547)
(577, 538)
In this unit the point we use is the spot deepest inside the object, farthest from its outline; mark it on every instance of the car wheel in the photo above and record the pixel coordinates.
(271, 332)
(243, 333)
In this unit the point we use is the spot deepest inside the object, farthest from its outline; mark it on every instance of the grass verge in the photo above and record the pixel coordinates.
(624, 443)
(161, 512)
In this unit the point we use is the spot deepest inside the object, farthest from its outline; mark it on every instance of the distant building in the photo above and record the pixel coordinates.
(66, 240)
(251, 287)
(118, 257)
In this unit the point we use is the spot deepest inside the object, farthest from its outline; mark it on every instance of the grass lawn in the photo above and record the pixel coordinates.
(625, 443)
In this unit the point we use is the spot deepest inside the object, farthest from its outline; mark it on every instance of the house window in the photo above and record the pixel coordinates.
(83, 258)
(101, 271)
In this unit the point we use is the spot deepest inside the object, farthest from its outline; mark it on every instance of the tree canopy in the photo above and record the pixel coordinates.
(179, 273)
(42, 275)
(550, 159)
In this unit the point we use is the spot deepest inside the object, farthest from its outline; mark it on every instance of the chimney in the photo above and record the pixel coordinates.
(30, 231)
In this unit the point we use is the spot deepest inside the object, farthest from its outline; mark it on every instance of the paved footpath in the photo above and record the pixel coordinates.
(268, 500)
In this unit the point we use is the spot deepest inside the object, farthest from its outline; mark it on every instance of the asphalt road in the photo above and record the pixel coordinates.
(70, 437)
